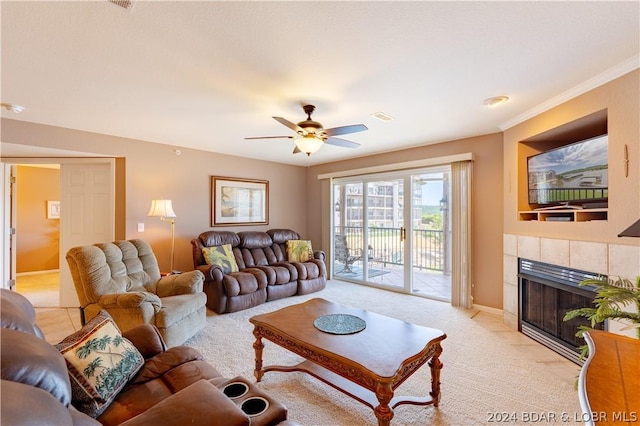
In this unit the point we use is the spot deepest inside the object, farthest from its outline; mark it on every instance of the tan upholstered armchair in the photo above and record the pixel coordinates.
(123, 278)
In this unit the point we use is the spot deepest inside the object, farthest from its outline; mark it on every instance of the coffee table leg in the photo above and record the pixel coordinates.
(436, 366)
(383, 412)
(258, 346)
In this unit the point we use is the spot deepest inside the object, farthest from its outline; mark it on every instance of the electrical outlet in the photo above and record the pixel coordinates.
(141, 227)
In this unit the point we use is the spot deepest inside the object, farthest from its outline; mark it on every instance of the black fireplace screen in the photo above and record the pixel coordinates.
(546, 293)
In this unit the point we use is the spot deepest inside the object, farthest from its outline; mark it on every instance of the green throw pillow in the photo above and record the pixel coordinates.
(299, 250)
(100, 363)
(221, 256)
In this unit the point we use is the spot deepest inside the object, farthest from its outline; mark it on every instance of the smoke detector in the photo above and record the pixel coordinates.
(16, 109)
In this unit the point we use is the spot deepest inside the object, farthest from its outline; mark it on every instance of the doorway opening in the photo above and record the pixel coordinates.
(36, 197)
(86, 206)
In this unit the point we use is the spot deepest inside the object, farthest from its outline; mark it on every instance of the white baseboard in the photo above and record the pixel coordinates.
(488, 309)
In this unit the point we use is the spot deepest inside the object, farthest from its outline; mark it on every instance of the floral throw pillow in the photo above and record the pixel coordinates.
(100, 363)
(299, 250)
(221, 256)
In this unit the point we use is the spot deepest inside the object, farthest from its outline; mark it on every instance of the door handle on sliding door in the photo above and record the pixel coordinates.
(403, 233)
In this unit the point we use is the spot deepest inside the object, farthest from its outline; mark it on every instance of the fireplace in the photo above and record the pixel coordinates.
(546, 292)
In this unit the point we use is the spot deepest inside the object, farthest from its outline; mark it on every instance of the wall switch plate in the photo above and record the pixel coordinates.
(141, 227)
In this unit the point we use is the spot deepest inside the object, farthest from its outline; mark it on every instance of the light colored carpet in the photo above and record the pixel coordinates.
(488, 368)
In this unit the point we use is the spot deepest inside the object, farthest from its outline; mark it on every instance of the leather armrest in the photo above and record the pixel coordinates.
(211, 273)
(147, 339)
(185, 283)
(23, 404)
(160, 364)
(133, 299)
(199, 404)
(320, 255)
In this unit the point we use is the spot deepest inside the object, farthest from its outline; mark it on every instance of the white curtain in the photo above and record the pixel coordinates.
(461, 294)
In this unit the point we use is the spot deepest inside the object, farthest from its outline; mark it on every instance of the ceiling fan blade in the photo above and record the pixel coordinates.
(342, 142)
(270, 137)
(289, 124)
(343, 130)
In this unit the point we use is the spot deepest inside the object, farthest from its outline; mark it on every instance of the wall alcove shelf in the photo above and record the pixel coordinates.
(581, 129)
(569, 215)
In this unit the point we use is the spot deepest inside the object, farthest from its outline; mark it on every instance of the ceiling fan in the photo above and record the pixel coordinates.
(310, 135)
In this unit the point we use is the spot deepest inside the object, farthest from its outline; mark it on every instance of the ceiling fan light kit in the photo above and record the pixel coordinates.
(310, 135)
(308, 143)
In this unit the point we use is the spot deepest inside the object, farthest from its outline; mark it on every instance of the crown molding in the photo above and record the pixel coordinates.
(600, 79)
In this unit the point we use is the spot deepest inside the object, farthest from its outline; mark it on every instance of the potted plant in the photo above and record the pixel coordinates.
(612, 294)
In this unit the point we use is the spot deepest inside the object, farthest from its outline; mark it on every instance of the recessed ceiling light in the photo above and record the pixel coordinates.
(17, 109)
(495, 101)
(382, 116)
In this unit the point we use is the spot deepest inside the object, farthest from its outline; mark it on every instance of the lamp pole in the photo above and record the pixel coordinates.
(173, 226)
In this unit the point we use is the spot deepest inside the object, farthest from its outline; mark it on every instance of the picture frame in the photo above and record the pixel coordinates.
(53, 209)
(237, 201)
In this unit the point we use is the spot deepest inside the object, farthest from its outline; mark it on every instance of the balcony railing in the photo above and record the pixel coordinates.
(384, 246)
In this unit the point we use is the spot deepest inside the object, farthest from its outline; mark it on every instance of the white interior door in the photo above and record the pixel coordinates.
(87, 211)
(7, 263)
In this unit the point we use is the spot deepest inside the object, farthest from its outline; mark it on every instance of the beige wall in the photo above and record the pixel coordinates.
(299, 201)
(155, 171)
(37, 238)
(588, 246)
(486, 204)
(621, 101)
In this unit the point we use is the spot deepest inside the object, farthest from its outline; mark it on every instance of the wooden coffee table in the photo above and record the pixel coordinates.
(368, 365)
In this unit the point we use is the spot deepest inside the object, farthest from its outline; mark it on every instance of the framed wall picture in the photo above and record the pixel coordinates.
(53, 209)
(237, 201)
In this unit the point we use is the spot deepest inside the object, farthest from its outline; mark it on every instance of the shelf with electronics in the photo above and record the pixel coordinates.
(551, 192)
(565, 215)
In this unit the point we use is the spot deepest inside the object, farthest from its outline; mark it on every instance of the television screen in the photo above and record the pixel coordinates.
(571, 174)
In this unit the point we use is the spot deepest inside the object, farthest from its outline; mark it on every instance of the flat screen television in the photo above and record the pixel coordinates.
(573, 174)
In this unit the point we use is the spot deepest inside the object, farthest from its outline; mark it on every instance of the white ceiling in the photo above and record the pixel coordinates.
(207, 74)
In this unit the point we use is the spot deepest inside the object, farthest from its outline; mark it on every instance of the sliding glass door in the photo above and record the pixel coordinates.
(392, 231)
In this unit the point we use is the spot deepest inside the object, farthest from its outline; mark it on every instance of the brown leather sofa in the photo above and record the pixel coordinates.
(173, 387)
(264, 271)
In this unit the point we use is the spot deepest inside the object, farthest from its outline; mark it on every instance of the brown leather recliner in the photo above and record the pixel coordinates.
(257, 252)
(232, 291)
(312, 274)
(174, 386)
(265, 272)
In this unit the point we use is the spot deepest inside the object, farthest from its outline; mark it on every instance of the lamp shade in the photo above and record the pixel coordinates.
(309, 143)
(161, 208)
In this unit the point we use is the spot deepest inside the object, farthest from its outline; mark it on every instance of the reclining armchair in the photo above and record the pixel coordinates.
(44, 384)
(124, 279)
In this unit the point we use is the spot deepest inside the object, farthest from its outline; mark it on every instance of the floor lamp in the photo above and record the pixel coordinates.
(164, 210)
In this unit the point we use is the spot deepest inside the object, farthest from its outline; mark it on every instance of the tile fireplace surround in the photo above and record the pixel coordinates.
(601, 258)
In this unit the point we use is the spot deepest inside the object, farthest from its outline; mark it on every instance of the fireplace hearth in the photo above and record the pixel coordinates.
(546, 292)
